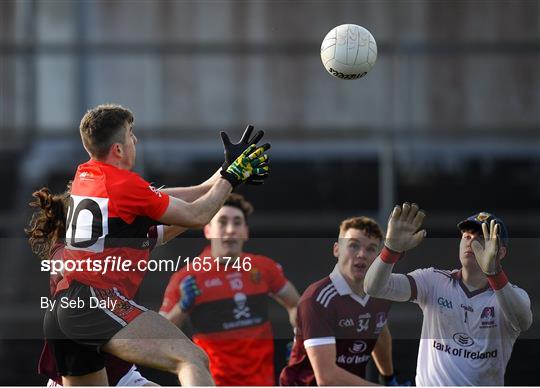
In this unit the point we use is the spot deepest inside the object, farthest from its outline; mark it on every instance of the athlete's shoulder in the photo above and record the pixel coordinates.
(520, 290)
(93, 177)
(258, 258)
(434, 273)
(118, 177)
(180, 274)
(262, 261)
(445, 273)
(317, 290)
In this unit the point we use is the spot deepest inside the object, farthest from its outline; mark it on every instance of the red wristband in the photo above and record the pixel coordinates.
(389, 256)
(498, 281)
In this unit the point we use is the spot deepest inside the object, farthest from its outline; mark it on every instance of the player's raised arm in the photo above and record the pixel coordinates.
(288, 297)
(253, 161)
(514, 303)
(231, 152)
(192, 193)
(402, 235)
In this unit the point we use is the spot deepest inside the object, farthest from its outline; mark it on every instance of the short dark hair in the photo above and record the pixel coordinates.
(368, 225)
(239, 202)
(103, 126)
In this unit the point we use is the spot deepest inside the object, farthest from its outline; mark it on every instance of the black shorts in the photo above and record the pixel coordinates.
(83, 319)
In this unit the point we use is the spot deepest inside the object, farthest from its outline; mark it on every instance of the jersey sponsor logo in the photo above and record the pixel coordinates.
(356, 359)
(464, 353)
(463, 339)
(241, 310)
(467, 309)
(255, 275)
(443, 302)
(363, 322)
(236, 284)
(483, 216)
(215, 282)
(487, 318)
(380, 322)
(346, 322)
(358, 346)
(85, 175)
(156, 190)
(242, 323)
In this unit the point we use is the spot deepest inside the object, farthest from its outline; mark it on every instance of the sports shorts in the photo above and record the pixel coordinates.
(82, 320)
(132, 378)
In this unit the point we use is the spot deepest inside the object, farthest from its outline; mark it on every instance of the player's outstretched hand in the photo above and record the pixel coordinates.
(487, 254)
(233, 150)
(188, 292)
(403, 228)
(253, 161)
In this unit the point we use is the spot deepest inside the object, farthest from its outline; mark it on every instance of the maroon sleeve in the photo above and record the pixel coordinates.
(414, 289)
(47, 364)
(153, 237)
(315, 320)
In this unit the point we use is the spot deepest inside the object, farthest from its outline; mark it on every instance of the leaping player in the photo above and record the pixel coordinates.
(472, 316)
(111, 209)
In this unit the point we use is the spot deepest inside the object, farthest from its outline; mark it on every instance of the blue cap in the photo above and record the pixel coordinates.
(475, 223)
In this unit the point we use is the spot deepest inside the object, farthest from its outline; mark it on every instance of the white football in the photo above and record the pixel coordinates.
(348, 51)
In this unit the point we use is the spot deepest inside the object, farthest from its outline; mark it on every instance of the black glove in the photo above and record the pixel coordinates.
(233, 150)
(253, 161)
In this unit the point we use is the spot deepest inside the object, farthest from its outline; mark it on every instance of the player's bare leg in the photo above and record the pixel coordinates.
(153, 341)
(98, 378)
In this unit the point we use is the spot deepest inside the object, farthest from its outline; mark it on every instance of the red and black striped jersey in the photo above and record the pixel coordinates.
(110, 212)
(230, 318)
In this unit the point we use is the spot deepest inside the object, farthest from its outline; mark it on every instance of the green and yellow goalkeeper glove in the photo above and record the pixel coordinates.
(253, 161)
(233, 150)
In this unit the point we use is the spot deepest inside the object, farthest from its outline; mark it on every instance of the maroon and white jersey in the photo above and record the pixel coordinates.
(330, 313)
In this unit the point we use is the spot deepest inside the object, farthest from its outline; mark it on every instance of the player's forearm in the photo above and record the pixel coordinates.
(176, 315)
(515, 307)
(170, 232)
(382, 353)
(192, 193)
(292, 316)
(209, 204)
(380, 282)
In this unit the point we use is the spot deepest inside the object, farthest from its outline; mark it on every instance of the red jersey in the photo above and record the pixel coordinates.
(330, 313)
(230, 318)
(109, 214)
